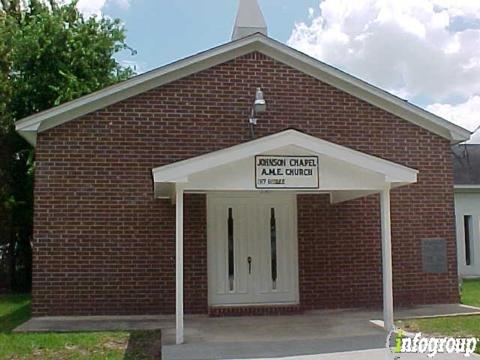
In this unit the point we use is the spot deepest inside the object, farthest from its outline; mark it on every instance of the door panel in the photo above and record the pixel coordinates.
(277, 247)
(259, 226)
(229, 222)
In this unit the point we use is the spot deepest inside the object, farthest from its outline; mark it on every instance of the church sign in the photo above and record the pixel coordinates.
(286, 172)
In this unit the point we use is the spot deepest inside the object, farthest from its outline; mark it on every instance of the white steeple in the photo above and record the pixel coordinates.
(249, 20)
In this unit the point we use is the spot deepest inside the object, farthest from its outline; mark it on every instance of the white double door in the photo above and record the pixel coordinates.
(252, 248)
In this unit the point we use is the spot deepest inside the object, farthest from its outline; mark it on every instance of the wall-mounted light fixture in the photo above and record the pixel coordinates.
(259, 106)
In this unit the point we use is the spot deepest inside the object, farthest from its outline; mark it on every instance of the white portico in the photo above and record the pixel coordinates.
(238, 273)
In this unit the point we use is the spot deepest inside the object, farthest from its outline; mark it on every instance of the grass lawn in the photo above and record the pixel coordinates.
(471, 292)
(15, 309)
(458, 326)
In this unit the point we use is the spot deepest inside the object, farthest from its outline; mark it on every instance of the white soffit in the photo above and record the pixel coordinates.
(179, 172)
(30, 126)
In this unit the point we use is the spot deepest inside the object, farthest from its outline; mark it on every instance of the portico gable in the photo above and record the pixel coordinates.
(337, 170)
(344, 173)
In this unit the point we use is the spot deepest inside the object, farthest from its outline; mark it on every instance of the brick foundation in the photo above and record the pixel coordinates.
(255, 310)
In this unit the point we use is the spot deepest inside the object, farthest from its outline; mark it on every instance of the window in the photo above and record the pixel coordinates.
(468, 231)
(231, 253)
(273, 244)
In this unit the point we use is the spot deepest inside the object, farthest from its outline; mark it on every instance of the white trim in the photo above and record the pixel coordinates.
(367, 92)
(179, 326)
(257, 42)
(180, 171)
(470, 307)
(466, 204)
(61, 114)
(386, 259)
(467, 188)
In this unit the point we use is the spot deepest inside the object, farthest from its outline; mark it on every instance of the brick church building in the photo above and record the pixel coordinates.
(246, 179)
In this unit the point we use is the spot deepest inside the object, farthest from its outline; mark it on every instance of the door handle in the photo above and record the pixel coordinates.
(249, 259)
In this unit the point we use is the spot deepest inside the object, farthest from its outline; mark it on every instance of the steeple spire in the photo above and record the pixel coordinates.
(249, 20)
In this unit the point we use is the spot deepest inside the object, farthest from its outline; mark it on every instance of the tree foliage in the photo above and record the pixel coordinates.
(49, 54)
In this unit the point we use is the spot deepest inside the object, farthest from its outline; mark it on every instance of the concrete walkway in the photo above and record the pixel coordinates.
(440, 310)
(256, 337)
(96, 323)
(295, 349)
(156, 322)
(312, 333)
(380, 354)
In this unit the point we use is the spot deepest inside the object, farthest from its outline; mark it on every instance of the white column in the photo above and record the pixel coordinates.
(386, 259)
(179, 265)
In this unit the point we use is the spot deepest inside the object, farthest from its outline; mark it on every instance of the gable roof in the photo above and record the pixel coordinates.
(30, 126)
(179, 172)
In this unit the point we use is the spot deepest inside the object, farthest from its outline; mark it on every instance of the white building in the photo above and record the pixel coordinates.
(467, 208)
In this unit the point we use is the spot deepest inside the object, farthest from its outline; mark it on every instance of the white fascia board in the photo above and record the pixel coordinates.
(365, 91)
(207, 59)
(394, 172)
(467, 188)
(29, 133)
(200, 163)
(139, 84)
(182, 169)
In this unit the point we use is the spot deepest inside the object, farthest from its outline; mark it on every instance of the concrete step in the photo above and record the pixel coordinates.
(270, 349)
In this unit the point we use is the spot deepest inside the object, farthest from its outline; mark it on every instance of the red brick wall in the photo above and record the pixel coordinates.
(195, 253)
(339, 253)
(104, 245)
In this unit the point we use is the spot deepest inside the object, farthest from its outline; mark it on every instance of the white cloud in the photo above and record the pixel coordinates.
(465, 8)
(425, 50)
(91, 7)
(397, 44)
(95, 7)
(465, 114)
(124, 4)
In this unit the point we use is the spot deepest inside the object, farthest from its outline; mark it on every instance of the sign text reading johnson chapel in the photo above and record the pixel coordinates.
(286, 172)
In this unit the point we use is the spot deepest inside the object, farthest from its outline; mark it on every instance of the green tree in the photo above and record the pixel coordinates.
(49, 54)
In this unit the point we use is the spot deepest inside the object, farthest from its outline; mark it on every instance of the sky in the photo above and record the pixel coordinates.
(425, 51)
